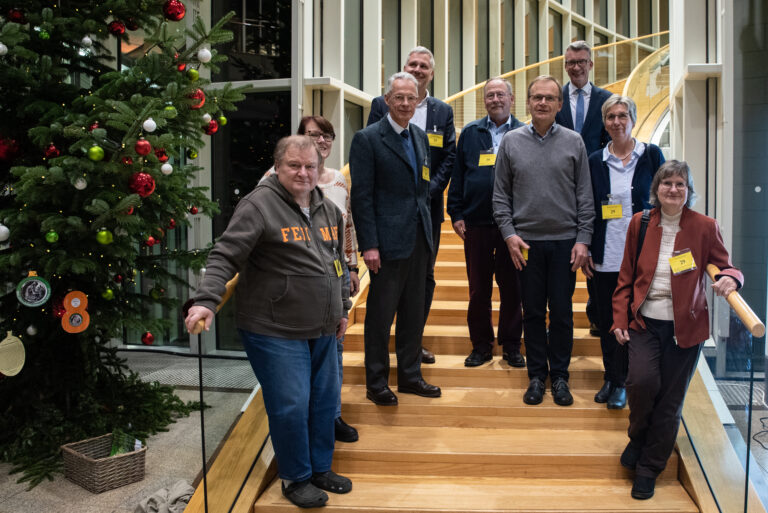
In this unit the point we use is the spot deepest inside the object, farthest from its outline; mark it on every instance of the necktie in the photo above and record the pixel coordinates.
(410, 152)
(578, 123)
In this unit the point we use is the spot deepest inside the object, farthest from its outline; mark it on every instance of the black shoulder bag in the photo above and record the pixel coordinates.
(640, 238)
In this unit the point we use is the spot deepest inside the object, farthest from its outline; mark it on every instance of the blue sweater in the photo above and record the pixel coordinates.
(471, 189)
(647, 165)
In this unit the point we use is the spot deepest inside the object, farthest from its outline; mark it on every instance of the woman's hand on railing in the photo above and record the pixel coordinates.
(199, 318)
(724, 286)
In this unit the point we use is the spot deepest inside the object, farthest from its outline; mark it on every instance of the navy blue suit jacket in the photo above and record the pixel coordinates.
(440, 117)
(593, 132)
(388, 203)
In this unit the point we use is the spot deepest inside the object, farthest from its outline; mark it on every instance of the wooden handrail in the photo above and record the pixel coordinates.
(231, 284)
(742, 309)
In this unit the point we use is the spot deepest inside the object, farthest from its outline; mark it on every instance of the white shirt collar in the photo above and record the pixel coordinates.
(397, 128)
(587, 89)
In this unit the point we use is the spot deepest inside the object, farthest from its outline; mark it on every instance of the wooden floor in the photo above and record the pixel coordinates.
(479, 448)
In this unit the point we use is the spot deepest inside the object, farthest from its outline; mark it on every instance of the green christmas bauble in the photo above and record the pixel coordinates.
(108, 294)
(104, 236)
(52, 237)
(156, 293)
(191, 154)
(193, 74)
(170, 111)
(223, 120)
(44, 35)
(95, 153)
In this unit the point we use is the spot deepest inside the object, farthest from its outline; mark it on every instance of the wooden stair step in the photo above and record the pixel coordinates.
(474, 451)
(456, 290)
(425, 494)
(481, 407)
(447, 270)
(445, 339)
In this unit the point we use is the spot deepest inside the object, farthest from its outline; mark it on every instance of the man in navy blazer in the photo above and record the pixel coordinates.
(436, 118)
(389, 164)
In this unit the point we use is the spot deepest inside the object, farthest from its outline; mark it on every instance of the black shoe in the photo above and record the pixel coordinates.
(382, 397)
(604, 393)
(560, 392)
(515, 359)
(304, 494)
(419, 387)
(643, 487)
(594, 330)
(427, 356)
(630, 457)
(535, 392)
(344, 432)
(618, 399)
(476, 358)
(330, 481)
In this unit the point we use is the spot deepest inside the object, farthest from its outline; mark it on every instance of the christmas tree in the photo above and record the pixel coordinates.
(96, 164)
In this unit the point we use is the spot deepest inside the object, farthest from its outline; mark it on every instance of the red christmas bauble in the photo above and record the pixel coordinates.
(16, 16)
(9, 148)
(57, 307)
(171, 224)
(142, 184)
(116, 28)
(147, 338)
(151, 241)
(52, 151)
(198, 95)
(118, 278)
(161, 155)
(129, 211)
(174, 10)
(181, 66)
(193, 210)
(212, 127)
(142, 147)
(93, 126)
(131, 24)
(127, 161)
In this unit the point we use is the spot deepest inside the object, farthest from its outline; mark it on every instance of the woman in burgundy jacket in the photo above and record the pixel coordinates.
(660, 312)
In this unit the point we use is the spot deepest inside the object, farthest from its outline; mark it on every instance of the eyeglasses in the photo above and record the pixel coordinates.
(621, 117)
(402, 98)
(321, 135)
(668, 184)
(536, 98)
(500, 95)
(579, 62)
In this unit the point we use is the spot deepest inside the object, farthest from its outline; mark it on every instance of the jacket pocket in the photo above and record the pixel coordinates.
(304, 302)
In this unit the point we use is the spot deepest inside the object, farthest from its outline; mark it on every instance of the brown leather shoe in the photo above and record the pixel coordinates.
(427, 356)
(419, 387)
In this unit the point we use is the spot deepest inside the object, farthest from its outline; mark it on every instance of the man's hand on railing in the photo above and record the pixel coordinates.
(724, 286)
(195, 315)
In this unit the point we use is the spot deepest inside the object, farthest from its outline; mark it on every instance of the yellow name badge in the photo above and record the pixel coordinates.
(612, 211)
(425, 173)
(337, 265)
(435, 139)
(682, 262)
(524, 251)
(487, 159)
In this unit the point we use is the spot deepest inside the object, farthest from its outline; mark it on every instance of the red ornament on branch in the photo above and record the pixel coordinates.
(93, 126)
(198, 95)
(174, 10)
(52, 151)
(9, 148)
(171, 224)
(127, 161)
(151, 241)
(193, 210)
(116, 28)
(16, 16)
(142, 147)
(142, 184)
(161, 155)
(147, 338)
(131, 24)
(212, 127)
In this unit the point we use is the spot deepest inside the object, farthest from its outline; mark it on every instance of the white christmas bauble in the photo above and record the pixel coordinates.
(3, 49)
(207, 118)
(31, 330)
(149, 125)
(5, 233)
(121, 232)
(166, 169)
(86, 41)
(80, 184)
(204, 55)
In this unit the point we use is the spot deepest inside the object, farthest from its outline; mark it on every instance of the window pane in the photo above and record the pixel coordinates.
(555, 41)
(578, 6)
(424, 26)
(531, 31)
(454, 46)
(390, 39)
(622, 17)
(600, 13)
(644, 17)
(481, 41)
(353, 43)
(602, 59)
(353, 121)
(578, 32)
(507, 35)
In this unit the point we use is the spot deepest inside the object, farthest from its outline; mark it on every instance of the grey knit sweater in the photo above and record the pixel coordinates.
(543, 189)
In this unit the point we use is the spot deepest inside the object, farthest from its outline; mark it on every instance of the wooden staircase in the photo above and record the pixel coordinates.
(479, 448)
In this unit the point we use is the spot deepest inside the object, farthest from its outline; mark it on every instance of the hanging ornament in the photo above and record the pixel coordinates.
(191, 154)
(161, 155)
(127, 161)
(12, 355)
(52, 151)
(5, 233)
(96, 153)
(193, 210)
(156, 292)
(108, 294)
(170, 111)
(51, 237)
(76, 318)
(193, 74)
(116, 28)
(33, 291)
(223, 120)
(171, 224)
(104, 237)
(129, 211)
(181, 66)
(9, 148)
(81, 184)
(149, 125)
(31, 330)
(212, 127)
(207, 118)
(166, 169)
(3, 49)
(151, 241)
(147, 338)
(131, 24)
(142, 184)
(93, 126)
(118, 278)
(174, 10)
(86, 41)
(204, 55)
(199, 96)
(17, 16)
(44, 35)
(142, 147)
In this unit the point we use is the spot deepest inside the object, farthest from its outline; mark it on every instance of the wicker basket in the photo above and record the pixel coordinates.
(89, 464)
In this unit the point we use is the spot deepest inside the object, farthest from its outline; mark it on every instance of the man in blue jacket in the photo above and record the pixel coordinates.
(436, 119)
(471, 210)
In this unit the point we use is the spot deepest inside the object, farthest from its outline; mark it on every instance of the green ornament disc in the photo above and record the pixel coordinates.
(52, 237)
(104, 237)
(95, 153)
(33, 291)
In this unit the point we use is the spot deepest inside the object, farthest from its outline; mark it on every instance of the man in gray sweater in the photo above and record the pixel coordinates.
(543, 205)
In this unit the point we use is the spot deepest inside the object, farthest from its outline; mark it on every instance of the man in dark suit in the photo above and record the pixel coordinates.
(582, 112)
(389, 165)
(436, 119)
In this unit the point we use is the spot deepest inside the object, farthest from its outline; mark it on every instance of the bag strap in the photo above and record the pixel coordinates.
(643, 227)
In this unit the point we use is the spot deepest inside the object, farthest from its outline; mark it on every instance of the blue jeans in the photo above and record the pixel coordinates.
(340, 350)
(300, 384)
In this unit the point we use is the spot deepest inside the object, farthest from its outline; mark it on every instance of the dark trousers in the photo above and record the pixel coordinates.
(659, 373)
(592, 306)
(487, 255)
(547, 279)
(429, 292)
(615, 359)
(398, 287)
